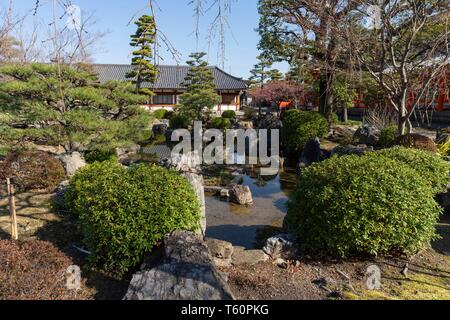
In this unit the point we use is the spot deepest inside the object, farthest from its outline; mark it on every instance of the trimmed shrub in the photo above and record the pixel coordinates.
(417, 141)
(430, 167)
(388, 136)
(335, 118)
(367, 204)
(99, 155)
(179, 122)
(33, 170)
(168, 115)
(124, 213)
(229, 114)
(34, 270)
(301, 126)
(220, 123)
(160, 114)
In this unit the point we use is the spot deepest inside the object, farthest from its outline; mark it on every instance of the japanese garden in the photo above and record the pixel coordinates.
(346, 102)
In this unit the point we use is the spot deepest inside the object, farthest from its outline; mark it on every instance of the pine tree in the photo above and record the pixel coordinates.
(275, 75)
(260, 71)
(142, 40)
(66, 106)
(200, 96)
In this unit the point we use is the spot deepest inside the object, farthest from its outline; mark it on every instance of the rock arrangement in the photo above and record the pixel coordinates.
(368, 135)
(225, 255)
(242, 195)
(187, 273)
(189, 166)
(282, 246)
(72, 163)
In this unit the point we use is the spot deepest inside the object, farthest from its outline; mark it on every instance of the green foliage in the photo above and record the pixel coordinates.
(99, 155)
(229, 114)
(66, 106)
(335, 118)
(343, 95)
(430, 167)
(160, 114)
(260, 73)
(180, 121)
(200, 96)
(388, 136)
(221, 123)
(33, 170)
(301, 126)
(124, 213)
(367, 204)
(142, 40)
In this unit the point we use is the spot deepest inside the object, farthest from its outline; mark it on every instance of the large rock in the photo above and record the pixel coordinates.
(351, 150)
(269, 121)
(160, 129)
(59, 193)
(197, 184)
(189, 162)
(123, 153)
(281, 246)
(72, 163)
(241, 195)
(220, 251)
(311, 153)
(187, 273)
(248, 257)
(368, 135)
(190, 166)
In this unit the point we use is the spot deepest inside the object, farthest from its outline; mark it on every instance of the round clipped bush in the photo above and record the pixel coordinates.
(160, 114)
(124, 213)
(301, 126)
(388, 136)
(430, 167)
(34, 270)
(417, 141)
(220, 123)
(367, 204)
(33, 170)
(229, 114)
(179, 121)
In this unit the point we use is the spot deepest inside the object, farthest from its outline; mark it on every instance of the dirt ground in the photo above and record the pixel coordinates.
(37, 220)
(425, 276)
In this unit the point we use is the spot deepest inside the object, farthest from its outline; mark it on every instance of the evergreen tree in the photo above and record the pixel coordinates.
(142, 40)
(260, 71)
(275, 75)
(200, 96)
(66, 106)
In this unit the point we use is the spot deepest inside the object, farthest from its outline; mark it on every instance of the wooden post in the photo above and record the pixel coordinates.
(12, 210)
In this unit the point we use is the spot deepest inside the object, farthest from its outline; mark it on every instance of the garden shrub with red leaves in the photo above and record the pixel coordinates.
(33, 170)
(34, 270)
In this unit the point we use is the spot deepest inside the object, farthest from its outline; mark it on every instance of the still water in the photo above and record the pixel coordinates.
(239, 224)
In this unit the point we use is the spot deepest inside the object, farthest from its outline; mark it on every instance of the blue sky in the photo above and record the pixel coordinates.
(176, 20)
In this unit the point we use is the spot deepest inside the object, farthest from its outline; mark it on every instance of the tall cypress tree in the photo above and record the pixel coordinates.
(142, 40)
(200, 96)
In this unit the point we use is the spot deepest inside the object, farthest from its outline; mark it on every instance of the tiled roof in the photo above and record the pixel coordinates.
(169, 77)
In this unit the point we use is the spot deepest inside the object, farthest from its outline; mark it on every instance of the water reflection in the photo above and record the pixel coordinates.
(239, 224)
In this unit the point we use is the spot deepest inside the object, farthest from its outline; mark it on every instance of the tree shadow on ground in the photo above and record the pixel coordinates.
(443, 228)
(66, 235)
